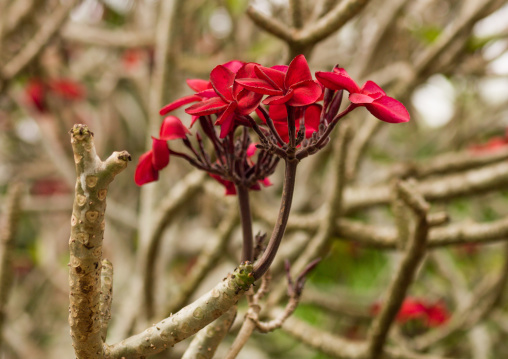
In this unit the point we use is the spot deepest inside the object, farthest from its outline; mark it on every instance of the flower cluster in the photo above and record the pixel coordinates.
(295, 119)
(425, 312)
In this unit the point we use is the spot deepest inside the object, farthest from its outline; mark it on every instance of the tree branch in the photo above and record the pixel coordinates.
(188, 320)
(206, 341)
(85, 243)
(8, 226)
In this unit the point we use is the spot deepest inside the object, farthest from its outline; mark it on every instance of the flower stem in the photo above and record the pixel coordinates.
(246, 219)
(266, 260)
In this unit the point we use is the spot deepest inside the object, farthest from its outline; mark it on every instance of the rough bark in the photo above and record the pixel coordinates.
(85, 243)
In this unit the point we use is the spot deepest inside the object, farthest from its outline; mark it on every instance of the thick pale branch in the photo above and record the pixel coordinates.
(447, 164)
(457, 233)
(188, 320)
(485, 179)
(85, 243)
(330, 23)
(321, 340)
(296, 9)
(270, 24)
(206, 341)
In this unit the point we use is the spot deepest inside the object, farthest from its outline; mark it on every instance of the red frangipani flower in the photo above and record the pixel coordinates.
(231, 98)
(151, 162)
(201, 87)
(291, 85)
(370, 95)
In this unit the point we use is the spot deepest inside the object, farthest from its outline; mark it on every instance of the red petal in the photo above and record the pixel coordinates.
(179, 103)
(227, 120)
(281, 68)
(145, 172)
(281, 126)
(248, 101)
(278, 112)
(198, 85)
(266, 182)
(259, 86)
(305, 93)
(207, 107)
(160, 157)
(388, 109)
(373, 90)
(272, 76)
(298, 71)
(222, 81)
(234, 65)
(312, 118)
(337, 81)
(193, 120)
(360, 99)
(206, 94)
(247, 71)
(172, 128)
(230, 186)
(278, 100)
(251, 150)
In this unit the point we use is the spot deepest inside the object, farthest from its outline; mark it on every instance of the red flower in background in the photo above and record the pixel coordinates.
(151, 162)
(370, 95)
(35, 94)
(492, 145)
(431, 315)
(37, 90)
(66, 89)
(291, 85)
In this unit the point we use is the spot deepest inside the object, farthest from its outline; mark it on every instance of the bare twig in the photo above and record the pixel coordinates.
(8, 225)
(415, 251)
